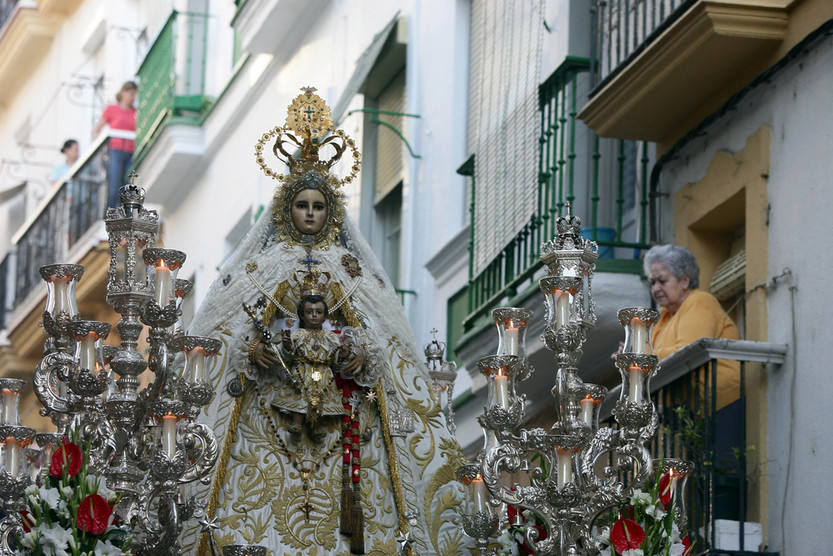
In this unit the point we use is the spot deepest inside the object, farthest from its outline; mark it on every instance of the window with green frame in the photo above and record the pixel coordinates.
(457, 311)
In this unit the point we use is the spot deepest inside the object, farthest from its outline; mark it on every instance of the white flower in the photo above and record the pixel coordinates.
(29, 540)
(66, 491)
(63, 509)
(56, 538)
(106, 548)
(51, 496)
(640, 496)
(605, 552)
(675, 532)
(677, 549)
(31, 490)
(633, 552)
(655, 511)
(102, 491)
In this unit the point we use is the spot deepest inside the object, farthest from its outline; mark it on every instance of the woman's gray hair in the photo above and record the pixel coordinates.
(678, 260)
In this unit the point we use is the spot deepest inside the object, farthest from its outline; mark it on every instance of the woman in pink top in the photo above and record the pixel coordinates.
(121, 116)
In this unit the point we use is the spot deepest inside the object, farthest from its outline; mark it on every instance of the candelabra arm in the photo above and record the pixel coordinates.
(208, 451)
(50, 370)
(10, 528)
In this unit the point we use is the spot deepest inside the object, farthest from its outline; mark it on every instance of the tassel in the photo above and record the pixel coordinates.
(357, 534)
(346, 500)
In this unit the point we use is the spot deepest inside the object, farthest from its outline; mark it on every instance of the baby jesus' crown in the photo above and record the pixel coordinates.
(315, 282)
(309, 127)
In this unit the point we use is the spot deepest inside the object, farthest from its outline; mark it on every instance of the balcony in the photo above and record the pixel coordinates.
(275, 26)
(714, 420)
(172, 104)
(665, 64)
(66, 227)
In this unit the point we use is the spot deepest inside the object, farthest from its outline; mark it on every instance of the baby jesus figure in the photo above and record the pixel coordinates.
(313, 355)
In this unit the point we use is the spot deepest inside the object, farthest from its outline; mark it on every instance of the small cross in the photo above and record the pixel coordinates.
(434, 332)
(132, 175)
(568, 206)
(309, 90)
(307, 507)
(309, 110)
(309, 261)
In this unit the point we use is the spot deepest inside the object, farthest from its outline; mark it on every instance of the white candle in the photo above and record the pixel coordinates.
(9, 407)
(195, 365)
(161, 283)
(502, 391)
(480, 495)
(640, 336)
(511, 341)
(587, 405)
(635, 386)
(12, 456)
(86, 352)
(169, 435)
(63, 303)
(562, 308)
(565, 467)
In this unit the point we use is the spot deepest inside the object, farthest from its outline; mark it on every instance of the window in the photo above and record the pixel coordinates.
(389, 225)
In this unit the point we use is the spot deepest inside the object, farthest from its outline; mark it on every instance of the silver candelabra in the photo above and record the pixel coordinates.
(145, 441)
(575, 470)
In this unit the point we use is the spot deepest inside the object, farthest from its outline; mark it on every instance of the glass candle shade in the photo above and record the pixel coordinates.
(11, 456)
(478, 497)
(182, 289)
(500, 379)
(591, 405)
(636, 371)
(107, 355)
(673, 475)
(169, 435)
(559, 296)
(48, 442)
(61, 280)
(88, 335)
(638, 322)
(566, 465)
(162, 266)
(10, 389)
(123, 262)
(197, 349)
(511, 325)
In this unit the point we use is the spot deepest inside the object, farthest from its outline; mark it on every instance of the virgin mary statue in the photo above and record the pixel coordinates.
(318, 376)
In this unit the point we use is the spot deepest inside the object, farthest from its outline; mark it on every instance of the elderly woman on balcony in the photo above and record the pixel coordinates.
(686, 312)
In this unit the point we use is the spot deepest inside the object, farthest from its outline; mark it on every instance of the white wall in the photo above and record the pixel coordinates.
(797, 104)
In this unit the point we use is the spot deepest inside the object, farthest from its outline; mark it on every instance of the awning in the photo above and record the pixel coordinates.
(364, 64)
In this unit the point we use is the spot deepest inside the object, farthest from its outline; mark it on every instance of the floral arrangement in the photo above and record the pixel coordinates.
(71, 513)
(646, 524)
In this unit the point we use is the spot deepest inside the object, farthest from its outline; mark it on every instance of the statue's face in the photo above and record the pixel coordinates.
(309, 211)
(314, 315)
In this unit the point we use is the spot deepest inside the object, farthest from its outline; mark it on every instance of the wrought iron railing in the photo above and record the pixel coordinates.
(623, 28)
(569, 167)
(4, 285)
(172, 76)
(701, 397)
(63, 219)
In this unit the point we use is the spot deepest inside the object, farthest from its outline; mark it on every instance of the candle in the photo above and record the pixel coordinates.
(565, 466)
(480, 495)
(86, 351)
(161, 283)
(10, 401)
(169, 435)
(511, 341)
(63, 303)
(640, 336)
(635, 383)
(562, 308)
(12, 456)
(587, 406)
(195, 365)
(502, 390)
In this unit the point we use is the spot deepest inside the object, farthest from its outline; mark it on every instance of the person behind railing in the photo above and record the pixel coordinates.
(70, 152)
(121, 116)
(687, 313)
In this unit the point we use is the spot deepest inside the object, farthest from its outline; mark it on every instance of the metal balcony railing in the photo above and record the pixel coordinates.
(172, 76)
(4, 284)
(624, 28)
(61, 221)
(701, 397)
(570, 167)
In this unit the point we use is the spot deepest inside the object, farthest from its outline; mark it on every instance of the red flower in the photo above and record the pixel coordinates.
(626, 534)
(68, 455)
(687, 545)
(26, 521)
(93, 514)
(666, 485)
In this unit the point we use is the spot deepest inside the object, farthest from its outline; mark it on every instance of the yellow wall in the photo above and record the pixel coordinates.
(731, 201)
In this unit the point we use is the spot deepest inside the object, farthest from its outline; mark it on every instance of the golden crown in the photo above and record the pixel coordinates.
(309, 127)
(315, 282)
